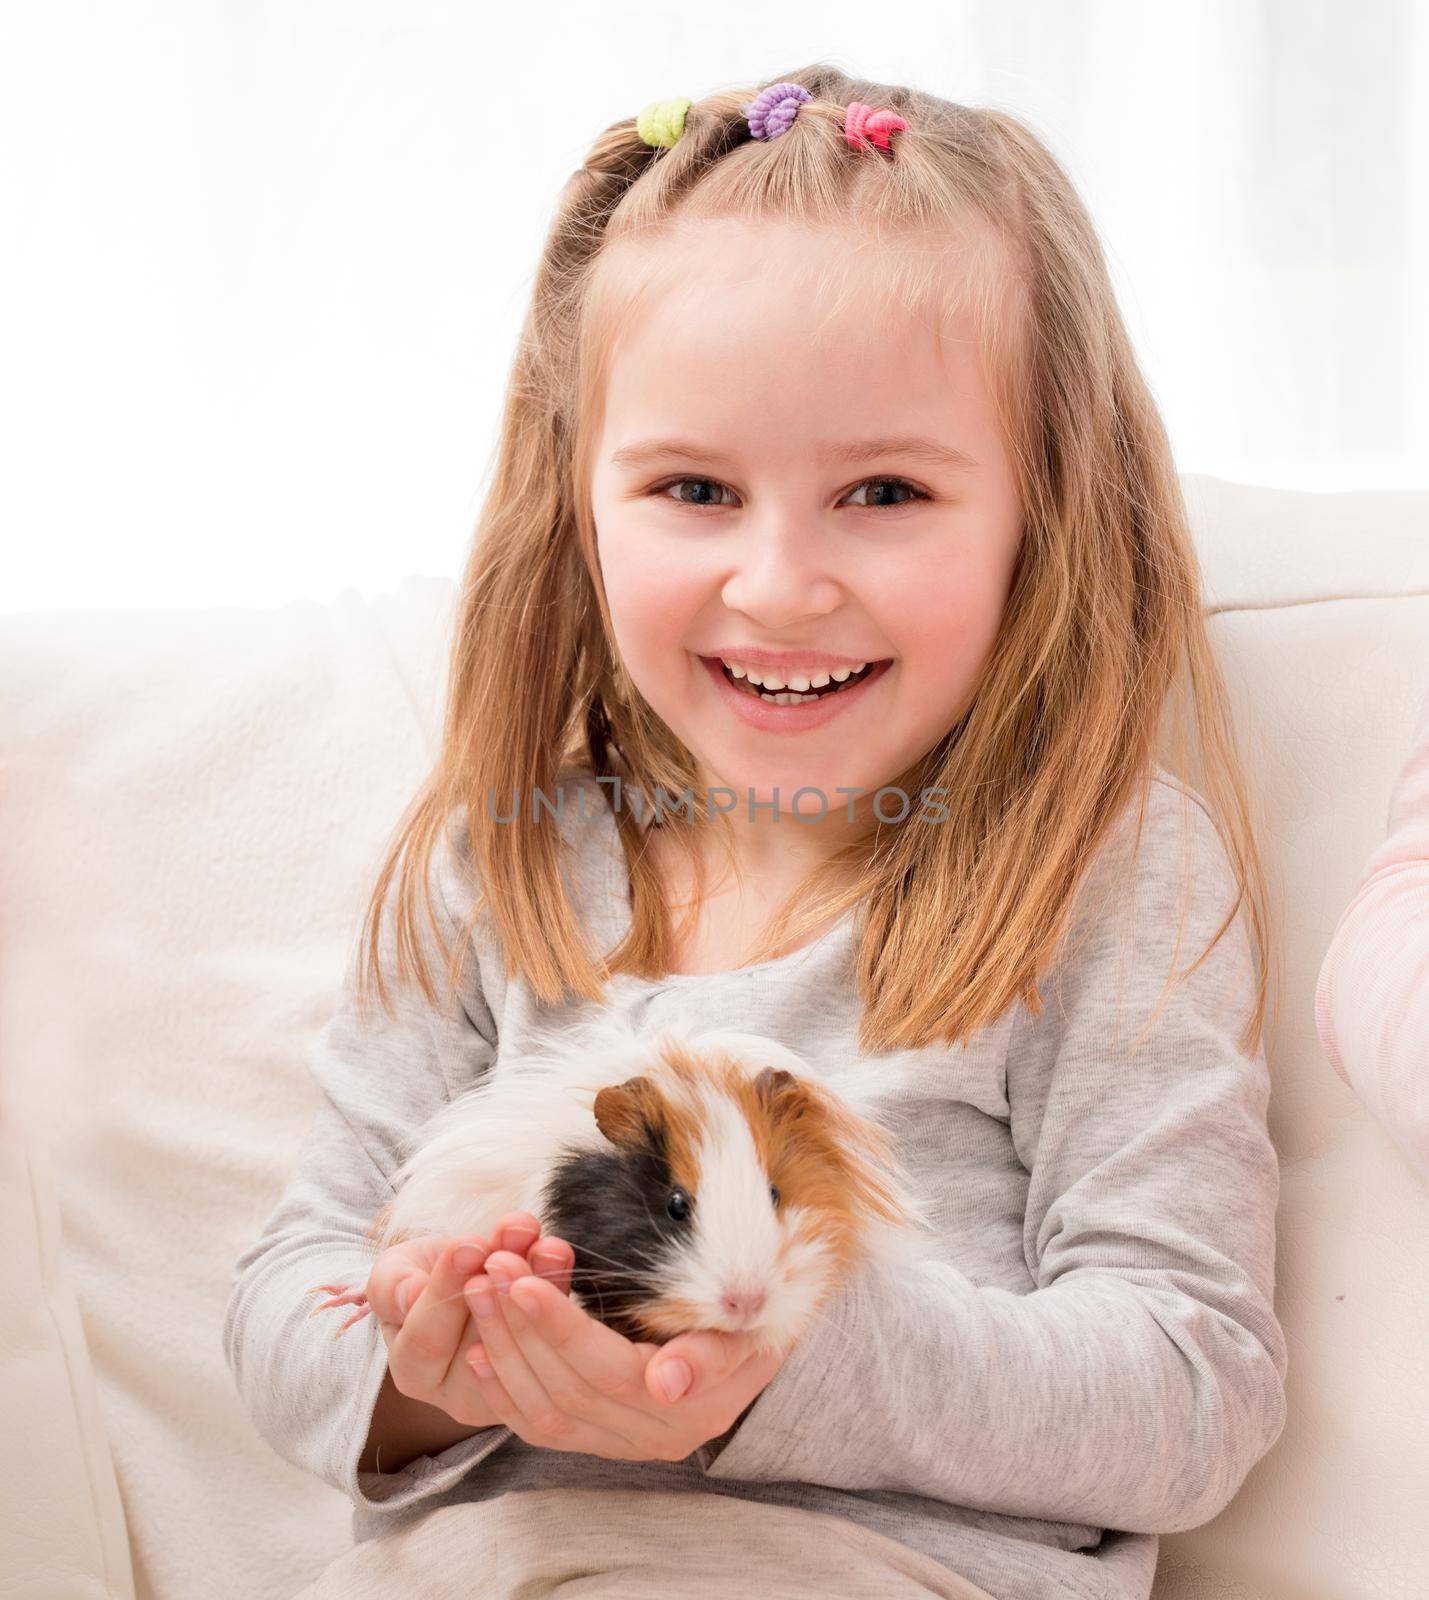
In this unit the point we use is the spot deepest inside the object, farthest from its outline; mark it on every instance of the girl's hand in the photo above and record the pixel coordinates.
(428, 1343)
(401, 1274)
(414, 1290)
(403, 1270)
(556, 1377)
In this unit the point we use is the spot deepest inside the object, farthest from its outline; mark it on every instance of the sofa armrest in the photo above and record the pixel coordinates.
(62, 1521)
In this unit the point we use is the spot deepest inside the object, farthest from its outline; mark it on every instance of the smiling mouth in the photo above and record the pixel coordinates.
(792, 697)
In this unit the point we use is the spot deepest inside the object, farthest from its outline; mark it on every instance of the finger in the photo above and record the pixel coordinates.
(423, 1250)
(553, 1260)
(532, 1411)
(434, 1323)
(694, 1363)
(517, 1232)
(411, 1261)
(456, 1388)
(407, 1294)
(605, 1359)
(572, 1404)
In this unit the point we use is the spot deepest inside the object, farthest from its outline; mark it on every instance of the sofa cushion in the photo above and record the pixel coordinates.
(192, 807)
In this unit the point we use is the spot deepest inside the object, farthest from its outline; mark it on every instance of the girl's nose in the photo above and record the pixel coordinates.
(780, 583)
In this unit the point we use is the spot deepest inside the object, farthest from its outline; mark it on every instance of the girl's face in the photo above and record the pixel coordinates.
(781, 484)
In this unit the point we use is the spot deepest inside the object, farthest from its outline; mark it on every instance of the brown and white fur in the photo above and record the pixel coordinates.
(705, 1178)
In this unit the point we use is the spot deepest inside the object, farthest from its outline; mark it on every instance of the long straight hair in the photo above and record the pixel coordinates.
(1102, 666)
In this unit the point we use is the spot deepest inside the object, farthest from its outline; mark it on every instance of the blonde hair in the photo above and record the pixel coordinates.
(1101, 644)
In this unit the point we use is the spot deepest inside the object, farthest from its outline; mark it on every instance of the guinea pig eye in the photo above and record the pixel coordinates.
(773, 1194)
(678, 1205)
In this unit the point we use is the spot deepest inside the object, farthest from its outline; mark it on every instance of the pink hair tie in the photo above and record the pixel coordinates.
(867, 129)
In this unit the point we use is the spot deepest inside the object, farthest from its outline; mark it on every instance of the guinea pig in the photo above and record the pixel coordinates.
(704, 1178)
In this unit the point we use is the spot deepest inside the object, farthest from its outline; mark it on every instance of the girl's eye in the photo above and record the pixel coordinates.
(879, 484)
(892, 483)
(702, 483)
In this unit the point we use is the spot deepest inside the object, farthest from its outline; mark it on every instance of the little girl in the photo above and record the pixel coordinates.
(834, 589)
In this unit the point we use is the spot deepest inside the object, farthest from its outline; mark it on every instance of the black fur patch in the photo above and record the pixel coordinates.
(610, 1207)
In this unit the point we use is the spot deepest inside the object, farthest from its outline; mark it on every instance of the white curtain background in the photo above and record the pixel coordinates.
(263, 264)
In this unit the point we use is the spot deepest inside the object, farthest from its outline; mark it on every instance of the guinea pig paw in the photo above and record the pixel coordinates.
(342, 1296)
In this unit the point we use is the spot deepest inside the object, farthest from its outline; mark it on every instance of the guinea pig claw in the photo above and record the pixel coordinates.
(341, 1296)
(356, 1317)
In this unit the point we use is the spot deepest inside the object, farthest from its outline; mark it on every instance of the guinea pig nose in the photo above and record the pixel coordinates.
(743, 1302)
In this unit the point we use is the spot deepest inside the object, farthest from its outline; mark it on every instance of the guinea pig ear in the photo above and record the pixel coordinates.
(771, 1082)
(625, 1111)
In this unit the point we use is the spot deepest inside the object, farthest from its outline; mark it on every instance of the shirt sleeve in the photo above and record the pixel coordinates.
(310, 1393)
(1141, 1376)
(1372, 998)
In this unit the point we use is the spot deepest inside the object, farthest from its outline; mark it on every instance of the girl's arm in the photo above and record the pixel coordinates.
(1372, 1000)
(1141, 1377)
(310, 1394)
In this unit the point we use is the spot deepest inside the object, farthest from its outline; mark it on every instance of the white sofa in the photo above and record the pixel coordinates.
(192, 803)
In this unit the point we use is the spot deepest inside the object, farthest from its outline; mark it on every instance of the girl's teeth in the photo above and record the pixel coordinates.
(771, 680)
(797, 690)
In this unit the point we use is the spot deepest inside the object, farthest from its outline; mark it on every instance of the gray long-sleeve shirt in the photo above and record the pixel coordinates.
(1090, 1359)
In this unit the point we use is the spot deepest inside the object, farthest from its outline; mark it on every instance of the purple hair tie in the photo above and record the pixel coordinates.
(773, 112)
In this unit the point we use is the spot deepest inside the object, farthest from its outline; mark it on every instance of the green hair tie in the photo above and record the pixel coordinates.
(663, 121)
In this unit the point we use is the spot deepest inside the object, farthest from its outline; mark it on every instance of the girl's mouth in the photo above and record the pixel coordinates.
(790, 697)
(789, 711)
